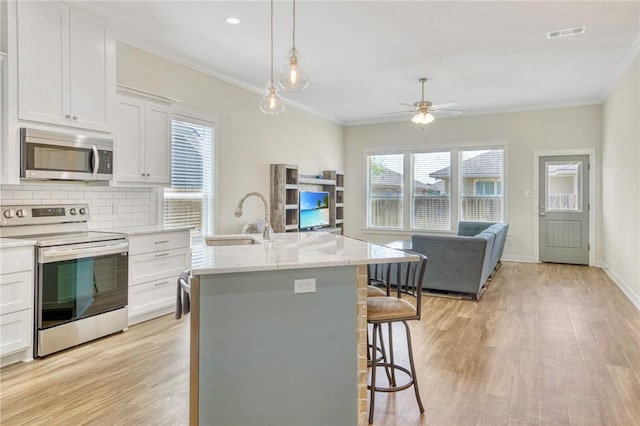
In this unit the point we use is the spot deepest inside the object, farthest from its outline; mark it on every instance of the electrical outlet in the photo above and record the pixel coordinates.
(304, 286)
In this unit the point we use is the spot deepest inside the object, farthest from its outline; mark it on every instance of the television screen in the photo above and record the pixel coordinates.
(314, 209)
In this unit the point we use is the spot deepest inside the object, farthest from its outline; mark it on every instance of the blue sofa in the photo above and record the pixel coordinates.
(464, 262)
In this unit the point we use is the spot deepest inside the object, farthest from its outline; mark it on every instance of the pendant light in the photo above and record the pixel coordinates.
(292, 76)
(271, 103)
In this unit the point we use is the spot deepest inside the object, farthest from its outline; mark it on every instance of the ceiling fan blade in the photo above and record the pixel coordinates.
(446, 112)
(445, 105)
(409, 105)
(397, 112)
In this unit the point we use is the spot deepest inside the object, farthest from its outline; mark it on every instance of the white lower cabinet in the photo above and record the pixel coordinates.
(155, 261)
(16, 304)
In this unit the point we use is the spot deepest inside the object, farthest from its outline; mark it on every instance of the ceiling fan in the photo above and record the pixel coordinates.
(424, 109)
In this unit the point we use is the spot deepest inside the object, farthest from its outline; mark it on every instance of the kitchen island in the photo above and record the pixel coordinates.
(278, 330)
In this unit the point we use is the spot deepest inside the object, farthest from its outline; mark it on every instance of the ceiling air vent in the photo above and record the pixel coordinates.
(566, 33)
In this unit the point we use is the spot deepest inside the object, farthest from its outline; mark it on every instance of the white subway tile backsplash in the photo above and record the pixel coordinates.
(42, 195)
(22, 195)
(110, 206)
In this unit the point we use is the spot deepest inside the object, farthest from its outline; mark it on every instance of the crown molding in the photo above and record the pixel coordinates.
(623, 66)
(472, 113)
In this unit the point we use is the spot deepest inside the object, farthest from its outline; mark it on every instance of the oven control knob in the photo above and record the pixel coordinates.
(83, 210)
(72, 211)
(21, 213)
(8, 214)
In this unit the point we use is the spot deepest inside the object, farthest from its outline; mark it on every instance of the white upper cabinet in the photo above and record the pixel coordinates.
(143, 142)
(64, 66)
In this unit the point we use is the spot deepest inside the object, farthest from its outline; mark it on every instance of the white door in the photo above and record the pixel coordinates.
(88, 65)
(129, 140)
(157, 143)
(43, 62)
(564, 209)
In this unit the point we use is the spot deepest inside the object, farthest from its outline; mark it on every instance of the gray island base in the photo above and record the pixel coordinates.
(262, 354)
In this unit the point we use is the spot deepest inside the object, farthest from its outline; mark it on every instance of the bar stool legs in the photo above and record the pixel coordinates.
(383, 363)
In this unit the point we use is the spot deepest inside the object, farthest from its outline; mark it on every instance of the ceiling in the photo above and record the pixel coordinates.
(365, 57)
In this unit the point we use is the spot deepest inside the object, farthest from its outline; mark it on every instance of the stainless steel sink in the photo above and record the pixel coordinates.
(230, 240)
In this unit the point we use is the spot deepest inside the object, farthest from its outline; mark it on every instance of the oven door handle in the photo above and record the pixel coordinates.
(57, 254)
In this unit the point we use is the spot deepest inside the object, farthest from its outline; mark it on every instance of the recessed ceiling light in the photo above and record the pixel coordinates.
(233, 20)
(567, 33)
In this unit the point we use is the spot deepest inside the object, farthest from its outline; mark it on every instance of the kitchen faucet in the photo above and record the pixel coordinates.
(267, 233)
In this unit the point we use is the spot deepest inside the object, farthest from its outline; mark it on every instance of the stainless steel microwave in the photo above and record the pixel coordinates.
(51, 155)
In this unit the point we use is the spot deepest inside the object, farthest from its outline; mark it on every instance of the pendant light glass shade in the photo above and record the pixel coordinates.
(422, 118)
(271, 103)
(292, 77)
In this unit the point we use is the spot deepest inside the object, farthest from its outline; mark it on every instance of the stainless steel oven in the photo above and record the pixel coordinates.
(81, 277)
(51, 155)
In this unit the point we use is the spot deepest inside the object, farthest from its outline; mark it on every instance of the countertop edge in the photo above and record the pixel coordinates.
(303, 265)
(144, 230)
(15, 242)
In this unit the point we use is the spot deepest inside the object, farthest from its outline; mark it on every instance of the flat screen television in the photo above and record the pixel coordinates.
(314, 210)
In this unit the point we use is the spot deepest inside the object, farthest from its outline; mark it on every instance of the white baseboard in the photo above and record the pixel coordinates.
(522, 259)
(626, 289)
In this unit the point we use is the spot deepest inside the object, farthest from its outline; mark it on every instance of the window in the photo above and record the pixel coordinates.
(189, 201)
(431, 190)
(481, 175)
(386, 191)
(446, 186)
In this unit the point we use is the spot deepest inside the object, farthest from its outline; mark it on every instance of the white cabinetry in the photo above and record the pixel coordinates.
(16, 304)
(142, 142)
(65, 60)
(155, 261)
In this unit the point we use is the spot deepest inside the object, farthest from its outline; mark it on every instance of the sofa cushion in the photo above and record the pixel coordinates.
(487, 264)
(469, 229)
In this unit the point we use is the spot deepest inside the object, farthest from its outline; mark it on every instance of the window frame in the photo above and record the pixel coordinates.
(208, 120)
(455, 190)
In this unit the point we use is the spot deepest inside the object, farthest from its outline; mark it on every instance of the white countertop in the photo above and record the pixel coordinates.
(147, 229)
(15, 242)
(295, 250)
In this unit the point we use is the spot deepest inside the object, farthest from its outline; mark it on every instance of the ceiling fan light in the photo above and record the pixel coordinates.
(271, 103)
(422, 118)
(292, 76)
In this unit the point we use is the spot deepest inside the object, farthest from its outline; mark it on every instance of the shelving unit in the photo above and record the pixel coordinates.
(285, 187)
(284, 198)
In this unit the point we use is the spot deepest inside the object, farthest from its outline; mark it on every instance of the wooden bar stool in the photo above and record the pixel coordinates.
(389, 310)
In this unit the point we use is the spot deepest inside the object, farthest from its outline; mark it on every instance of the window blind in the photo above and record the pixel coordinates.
(431, 190)
(481, 183)
(189, 201)
(385, 190)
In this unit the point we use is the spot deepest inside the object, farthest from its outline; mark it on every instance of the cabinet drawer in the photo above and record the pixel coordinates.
(139, 244)
(151, 266)
(15, 331)
(16, 259)
(16, 291)
(153, 295)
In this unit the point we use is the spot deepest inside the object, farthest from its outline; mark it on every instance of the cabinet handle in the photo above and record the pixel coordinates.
(160, 284)
(161, 242)
(75, 117)
(162, 254)
(67, 116)
(148, 174)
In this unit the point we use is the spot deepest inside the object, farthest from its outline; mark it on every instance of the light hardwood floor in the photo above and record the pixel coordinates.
(547, 345)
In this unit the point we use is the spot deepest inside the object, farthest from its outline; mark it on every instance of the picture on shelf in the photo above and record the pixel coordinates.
(314, 209)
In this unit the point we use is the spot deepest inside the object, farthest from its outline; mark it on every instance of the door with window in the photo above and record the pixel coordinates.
(564, 209)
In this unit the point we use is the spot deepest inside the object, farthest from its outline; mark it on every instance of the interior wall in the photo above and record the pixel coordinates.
(621, 182)
(523, 132)
(248, 141)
